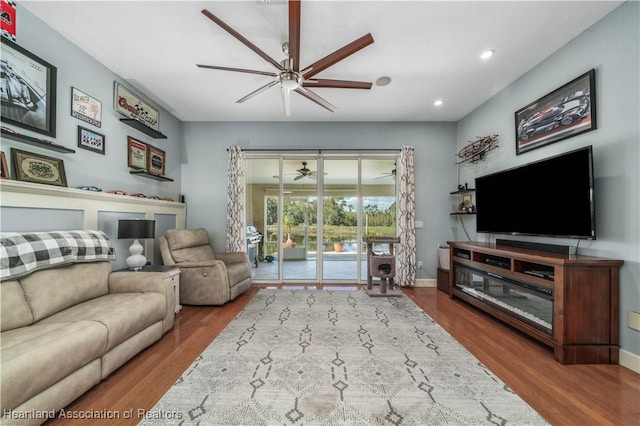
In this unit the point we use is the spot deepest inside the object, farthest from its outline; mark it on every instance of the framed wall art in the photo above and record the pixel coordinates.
(155, 160)
(90, 140)
(566, 112)
(28, 90)
(136, 154)
(37, 168)
(86, 108)
(132, 106)
(4, 171)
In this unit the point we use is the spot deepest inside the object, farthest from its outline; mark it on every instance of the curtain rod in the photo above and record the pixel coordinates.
(319, 151)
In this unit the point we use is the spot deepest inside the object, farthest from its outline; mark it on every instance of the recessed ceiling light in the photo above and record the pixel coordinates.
(383, 81)
(438, 102)
(487, 54)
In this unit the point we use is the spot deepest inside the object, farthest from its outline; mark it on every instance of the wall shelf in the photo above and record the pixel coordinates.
(463, 191)
(138, 125)
(150, 175)
(464, 197)
(41, 143)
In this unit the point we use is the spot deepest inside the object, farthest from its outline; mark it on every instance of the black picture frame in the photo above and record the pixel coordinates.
(91, 140)
(29, 93)
(561, 114)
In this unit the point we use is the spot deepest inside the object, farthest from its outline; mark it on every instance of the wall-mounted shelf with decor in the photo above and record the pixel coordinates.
(464, 197)
(150, 175)
(36, 142)
(143, 128)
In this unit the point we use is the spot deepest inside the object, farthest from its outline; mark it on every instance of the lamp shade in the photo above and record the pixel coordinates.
(136, 228)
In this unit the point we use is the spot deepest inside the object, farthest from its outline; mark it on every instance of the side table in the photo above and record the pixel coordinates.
(173, 272)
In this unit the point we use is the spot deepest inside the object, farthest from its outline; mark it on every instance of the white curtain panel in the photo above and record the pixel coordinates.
(406, 217)
(236, 202)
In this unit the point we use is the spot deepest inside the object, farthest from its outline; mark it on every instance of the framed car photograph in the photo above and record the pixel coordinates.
(561, 114)
(90, 140)
(28, 90)
(4, 172)
(86, 108)
(155, 160)
(37, 168)
(136, 154)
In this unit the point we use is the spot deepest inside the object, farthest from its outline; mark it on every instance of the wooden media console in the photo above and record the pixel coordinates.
(568, 302)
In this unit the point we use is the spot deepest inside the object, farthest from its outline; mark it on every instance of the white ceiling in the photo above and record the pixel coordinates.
(430, 50)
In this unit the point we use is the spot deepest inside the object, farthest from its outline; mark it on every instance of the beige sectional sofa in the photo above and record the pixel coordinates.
(66, 328)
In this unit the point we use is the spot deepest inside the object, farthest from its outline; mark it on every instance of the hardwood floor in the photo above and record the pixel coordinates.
(563, 394)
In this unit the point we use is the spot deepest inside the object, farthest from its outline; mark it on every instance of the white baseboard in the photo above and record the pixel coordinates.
(426, 282)
(630, 360)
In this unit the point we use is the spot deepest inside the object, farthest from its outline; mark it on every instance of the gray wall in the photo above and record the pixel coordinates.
(77, 69)
(612, 47)
(204, 172)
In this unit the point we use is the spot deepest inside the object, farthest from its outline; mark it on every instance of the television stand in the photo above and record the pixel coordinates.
(567, 302)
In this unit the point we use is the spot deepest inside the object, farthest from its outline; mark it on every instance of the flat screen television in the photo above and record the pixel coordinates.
(552, 197)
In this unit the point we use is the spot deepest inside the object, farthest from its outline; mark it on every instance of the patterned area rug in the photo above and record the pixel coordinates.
(301, 357)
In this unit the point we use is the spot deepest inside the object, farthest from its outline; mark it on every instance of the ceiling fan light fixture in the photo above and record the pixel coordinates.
(438, 102)
(290, 80)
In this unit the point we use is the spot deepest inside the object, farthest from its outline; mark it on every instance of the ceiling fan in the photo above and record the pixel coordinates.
(391, 174)
(305, 172)
(288, 75)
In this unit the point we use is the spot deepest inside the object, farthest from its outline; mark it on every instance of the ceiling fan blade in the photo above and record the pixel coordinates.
(317, 99)
(241, 38)
(215, 67)
(286, 101)
(298, 177)
(294, 33)
(257, 91)
(337, 56)
(338, 84)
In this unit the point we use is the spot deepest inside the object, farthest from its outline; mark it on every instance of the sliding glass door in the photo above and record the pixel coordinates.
(313, 212)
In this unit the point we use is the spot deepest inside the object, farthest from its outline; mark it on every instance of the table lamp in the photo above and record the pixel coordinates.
(136, 229)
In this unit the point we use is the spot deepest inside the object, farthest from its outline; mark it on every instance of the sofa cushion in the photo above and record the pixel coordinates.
(53, 290)
(38, 356)
(123, 314)
(14, 310)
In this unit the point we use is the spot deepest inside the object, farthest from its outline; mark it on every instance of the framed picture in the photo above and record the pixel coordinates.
(4, 172)
(155, 160)
(136, 154)
(28, 90)
(30, 167)
(88, 139)
(128, 104)
(86, 108)
(561, 114)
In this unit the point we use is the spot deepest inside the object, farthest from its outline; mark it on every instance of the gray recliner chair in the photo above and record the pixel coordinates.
(205, 278)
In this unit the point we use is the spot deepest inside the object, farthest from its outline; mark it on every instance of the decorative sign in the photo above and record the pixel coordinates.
(86, 108)
(131, 106)
(137, 154)
(32, 167)
(90, 140)
(155, 160)
(8, 19)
